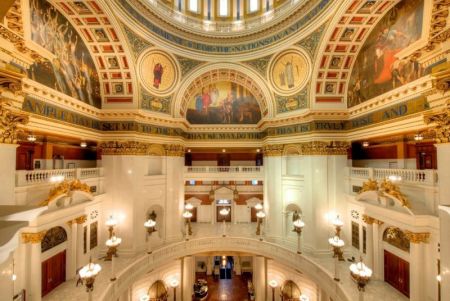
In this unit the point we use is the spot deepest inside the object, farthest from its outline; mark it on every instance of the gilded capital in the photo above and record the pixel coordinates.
(33, 238)
(10, 120)
(273, 150)
(417, 238)
(441, 125)
(368, 220)
(369, 185)
(174, 150)
(81, 219)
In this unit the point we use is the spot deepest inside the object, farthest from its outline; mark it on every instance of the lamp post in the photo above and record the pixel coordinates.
(187, 221)
(111, 222)
(88, 274)
(273, 284)
(174, 283)
(112, 243)
(224, 212)
(258, 207)
(151, 227)
(337, 223)
(361, 274)
(298, 227)
(260, 215)
(188, 206)
(337, 245)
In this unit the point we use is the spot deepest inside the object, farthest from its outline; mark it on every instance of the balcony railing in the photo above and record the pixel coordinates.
(225, 169)
(32, 177)
(417, 176)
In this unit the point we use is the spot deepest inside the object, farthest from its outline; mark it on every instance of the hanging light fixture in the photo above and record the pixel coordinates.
(31, 138)
(83, 144)
(361, 274)
(418, 137)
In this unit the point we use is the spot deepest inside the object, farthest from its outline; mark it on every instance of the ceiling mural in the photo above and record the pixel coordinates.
(377, 68)
(156, 104)
(295, 102)
(71, 70)
(137, 44)
(223, 102)
(158, 72)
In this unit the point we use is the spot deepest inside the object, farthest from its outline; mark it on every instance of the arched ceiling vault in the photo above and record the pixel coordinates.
(339, 49)
(101, 33)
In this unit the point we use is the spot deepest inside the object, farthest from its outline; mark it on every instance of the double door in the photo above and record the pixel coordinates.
(53, 272)
(396, 272)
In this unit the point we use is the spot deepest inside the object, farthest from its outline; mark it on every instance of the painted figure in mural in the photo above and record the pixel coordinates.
(206, 100)
(214, 93)
(158, 71)
(198, 103)
(71, 70)
(289, 72)
(227, 108)
(378, 67)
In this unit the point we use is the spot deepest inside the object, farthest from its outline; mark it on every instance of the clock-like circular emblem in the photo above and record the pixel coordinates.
(289, 71)
(158, 72)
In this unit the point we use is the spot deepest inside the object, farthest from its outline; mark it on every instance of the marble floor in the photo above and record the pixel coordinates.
(376, 290)
(227, 289)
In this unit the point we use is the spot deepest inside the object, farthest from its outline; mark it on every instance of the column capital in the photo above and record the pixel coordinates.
(441, 122)
(174, 150)
(368, 220)
(131, 148)
(273, 150)
(81, 219)
(33, 238)
(417, 238)
(11, 120)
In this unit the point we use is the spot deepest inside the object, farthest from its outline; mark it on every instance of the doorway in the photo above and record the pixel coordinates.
(220, 217)
(53, 272)
(396, 272)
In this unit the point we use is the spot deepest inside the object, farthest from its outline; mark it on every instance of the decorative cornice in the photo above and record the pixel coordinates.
(441, 128)
(273, 150)
(322, 148)
(81, 219)
(174, 150)
(10, 120)
(417, 238)
(64, 188)
(131, 148)
(33, 238)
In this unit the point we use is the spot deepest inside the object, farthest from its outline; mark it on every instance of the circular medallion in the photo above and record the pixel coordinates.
(289, 71)
(158, 72)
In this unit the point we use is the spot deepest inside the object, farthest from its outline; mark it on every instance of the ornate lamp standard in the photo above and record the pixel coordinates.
(337, 245)
(361, 273)
(273, 284)
(258, 207)
(224, 212)
(337, 223)
(151, 227)
(88, 274)
(112, 244)
(174, 283)
(298, 227)
(260, 215)
(188, 206)
(111, 222)
(187, 215)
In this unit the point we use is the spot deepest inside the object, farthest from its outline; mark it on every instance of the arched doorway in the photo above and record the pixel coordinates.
(53, 268)
(158, 291)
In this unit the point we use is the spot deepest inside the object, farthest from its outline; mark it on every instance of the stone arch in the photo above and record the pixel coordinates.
(234, 72)
(397, 238)
(158, 291)
(291, 150)
(290, 291)
(156, 150)
(53, 237)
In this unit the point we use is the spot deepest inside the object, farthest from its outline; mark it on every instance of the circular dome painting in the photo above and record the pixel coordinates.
(289, 72)
(158, 72)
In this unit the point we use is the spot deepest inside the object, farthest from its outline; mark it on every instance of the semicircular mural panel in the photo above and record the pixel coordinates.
(223, 102)
(378, 69)
(71, 69)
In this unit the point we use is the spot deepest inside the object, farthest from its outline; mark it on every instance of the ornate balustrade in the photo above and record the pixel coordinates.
(417, 176)
(227, 169)
(32, 177)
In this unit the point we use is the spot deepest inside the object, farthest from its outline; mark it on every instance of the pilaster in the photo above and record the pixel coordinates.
(188, 278)
(33, 240)
(259, 278)
(417, 272)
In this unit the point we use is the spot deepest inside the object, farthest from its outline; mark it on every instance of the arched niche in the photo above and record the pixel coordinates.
(156, 212)
(292, 213)
(53, 237)
(158, 291)
(397, 238)
(290, 291)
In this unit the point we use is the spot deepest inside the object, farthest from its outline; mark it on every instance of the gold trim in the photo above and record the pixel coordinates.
(368, 220)
(33, 238)
(132, 148)
(66, 187)
(10, 119)
(369, 185)
(174, 150)
(394, 191)
(81, 219)
(441, 128)
(273, 150)
(417, 238)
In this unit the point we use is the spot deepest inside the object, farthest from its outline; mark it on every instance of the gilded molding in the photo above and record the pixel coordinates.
(273, 150)
(369, 185)
(418, 238)
(10, 120)
(66, 187)
(368, 220)
(326, 148)
(33, 238)
(393, 190)
(125, 148)
(441, 121)
(174, 150)
(81, 219)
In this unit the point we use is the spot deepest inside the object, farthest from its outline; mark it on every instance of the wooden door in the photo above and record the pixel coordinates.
(396, 272)
(220, 217)
(53, 272)
(253, 217)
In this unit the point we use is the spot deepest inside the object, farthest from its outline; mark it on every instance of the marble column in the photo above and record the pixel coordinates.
(188, 278)
(8, 173)
(443, 163)
(444, 216)
(273, 202)
(377, 261)
(417, 263)
(259, 278)
(209, 265)
(35, 268)
(369, 240)
(72, 251)
(80, 260)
